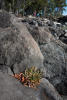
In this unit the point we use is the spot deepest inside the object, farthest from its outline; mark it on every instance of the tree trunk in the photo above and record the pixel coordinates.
(45, 11)
(2, 4)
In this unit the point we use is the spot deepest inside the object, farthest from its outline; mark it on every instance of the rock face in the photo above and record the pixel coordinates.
(34, 45)
(56, 29)
(4, 19)
(18, 49)
(12, 89)
(54, 52)
(41, 34)
(49, 90)
(54, 59)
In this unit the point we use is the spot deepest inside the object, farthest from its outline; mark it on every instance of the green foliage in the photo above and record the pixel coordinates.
(60, 4)
(30, 77)
(10, 4)
(53, 8)
(33, 74)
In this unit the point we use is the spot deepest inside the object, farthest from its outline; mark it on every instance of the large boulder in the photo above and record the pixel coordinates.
(54, 60)
(55, 56)
(12, 89)
(18, 49)
(56, 66)
(53, 51)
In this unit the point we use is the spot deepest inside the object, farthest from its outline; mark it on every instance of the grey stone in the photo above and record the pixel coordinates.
(18, 49)
(64, 97)
(41, 34)
(49, 90)
(4, 19)
(55, 59)
(50, 23)
(66, 34)
(65, 31)
(12, 89)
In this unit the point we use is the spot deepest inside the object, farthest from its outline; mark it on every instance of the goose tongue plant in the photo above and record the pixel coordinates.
(30, 77)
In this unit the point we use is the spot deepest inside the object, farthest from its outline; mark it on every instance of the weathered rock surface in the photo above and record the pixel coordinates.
(4, 19)
(36, 46)
(54, 51)
(56, 29)
(41, 34)
(12, 89)
(18, 49)
(55, 56)
(49, 90)
(64, 97)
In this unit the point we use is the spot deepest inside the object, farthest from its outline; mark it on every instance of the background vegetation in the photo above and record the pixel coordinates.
(52, 8)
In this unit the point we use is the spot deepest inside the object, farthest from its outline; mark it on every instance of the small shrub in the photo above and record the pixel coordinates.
(31, 77)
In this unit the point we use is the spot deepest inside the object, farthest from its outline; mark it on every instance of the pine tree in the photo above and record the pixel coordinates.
(60, 4)
(52, 8)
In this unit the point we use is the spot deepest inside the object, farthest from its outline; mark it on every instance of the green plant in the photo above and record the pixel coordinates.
(33, 74)
(30, 77)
